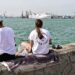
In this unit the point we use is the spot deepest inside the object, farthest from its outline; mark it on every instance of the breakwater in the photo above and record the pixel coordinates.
(65, 66)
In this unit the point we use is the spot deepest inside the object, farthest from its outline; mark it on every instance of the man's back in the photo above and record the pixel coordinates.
(7, 43)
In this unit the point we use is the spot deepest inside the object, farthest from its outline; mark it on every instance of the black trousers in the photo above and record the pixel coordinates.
(6, 57)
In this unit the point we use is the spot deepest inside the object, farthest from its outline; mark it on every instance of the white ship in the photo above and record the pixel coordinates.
(38, 16)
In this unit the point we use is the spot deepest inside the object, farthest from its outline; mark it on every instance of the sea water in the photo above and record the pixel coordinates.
(62, 30)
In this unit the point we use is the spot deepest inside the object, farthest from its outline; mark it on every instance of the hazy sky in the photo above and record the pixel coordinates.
(15, 7)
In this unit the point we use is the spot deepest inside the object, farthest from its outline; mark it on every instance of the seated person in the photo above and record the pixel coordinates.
(39, 40)
(7, 43)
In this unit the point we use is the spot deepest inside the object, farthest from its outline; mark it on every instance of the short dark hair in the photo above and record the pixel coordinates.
(1, 22)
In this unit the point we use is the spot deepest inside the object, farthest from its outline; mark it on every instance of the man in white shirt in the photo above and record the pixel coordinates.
(7, 43)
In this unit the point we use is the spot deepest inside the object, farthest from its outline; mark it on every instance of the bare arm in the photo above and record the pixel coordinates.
(31, 45)
(50, 41)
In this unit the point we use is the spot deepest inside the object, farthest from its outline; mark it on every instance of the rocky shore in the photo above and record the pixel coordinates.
(65, 66)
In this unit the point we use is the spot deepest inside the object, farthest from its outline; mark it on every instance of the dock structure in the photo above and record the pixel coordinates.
(65, 65)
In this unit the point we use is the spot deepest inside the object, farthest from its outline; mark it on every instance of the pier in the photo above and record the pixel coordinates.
(65, 66)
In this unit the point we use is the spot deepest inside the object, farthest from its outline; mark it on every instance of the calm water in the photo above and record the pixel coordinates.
(62, 30)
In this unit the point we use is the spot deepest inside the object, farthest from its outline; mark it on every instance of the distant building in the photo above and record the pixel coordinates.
(27, 14)
(67, 17)
(22, 15)
(56, 17)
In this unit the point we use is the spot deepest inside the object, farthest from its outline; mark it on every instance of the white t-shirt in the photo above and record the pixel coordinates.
(40, 46)
(7, 43)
